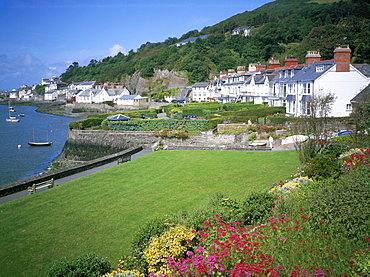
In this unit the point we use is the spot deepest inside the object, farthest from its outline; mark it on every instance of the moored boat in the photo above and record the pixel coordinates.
(40, 143)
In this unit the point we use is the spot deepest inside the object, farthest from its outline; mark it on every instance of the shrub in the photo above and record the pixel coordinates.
(336, 149)
(323, 166)
(256, 207)
(88, 265)
(343, 202)
(173, 243)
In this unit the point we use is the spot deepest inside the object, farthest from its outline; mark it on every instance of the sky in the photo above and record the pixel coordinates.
(41, 38)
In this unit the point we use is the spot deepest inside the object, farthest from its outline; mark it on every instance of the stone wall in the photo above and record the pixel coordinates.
(206, 140)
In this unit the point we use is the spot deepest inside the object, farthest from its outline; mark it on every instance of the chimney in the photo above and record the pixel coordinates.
(342, 58)
(290, 61)
(240, 69)
(274, 64)
(313, 57)
(260, 67)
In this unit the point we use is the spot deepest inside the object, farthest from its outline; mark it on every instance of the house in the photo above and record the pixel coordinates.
(183, 42)
(82, 85)
(135, 100)
(294, 84)
(362, 98)
(88, 95)
(199, 91)
(245, 31)
(51, 95)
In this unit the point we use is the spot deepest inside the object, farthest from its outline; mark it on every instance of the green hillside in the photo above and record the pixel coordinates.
(279, 28)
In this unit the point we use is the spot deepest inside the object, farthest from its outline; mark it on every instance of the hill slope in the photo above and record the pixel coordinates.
(279, 28)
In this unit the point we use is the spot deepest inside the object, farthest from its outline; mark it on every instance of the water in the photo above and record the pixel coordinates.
(20, 163)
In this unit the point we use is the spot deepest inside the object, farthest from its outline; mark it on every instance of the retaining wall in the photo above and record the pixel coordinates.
(64, 172)
(206, 140)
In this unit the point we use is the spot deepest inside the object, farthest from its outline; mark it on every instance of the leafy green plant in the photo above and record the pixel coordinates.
(323, 166)
(88, 265)
(256, 207)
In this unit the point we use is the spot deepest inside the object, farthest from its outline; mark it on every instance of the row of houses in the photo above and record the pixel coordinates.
(291, 85)
(82, 92)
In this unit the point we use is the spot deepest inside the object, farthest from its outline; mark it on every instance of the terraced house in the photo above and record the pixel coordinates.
(294, 84)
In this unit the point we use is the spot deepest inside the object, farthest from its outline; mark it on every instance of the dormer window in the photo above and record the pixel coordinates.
(292, 73)
(319, 68)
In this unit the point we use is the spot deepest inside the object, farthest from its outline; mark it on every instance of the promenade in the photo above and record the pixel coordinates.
(75, 176)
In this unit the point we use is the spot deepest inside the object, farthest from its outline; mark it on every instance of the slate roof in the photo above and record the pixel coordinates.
(309, 72)
(88, 92)
(363, 95)
(131, 97)
(190, 39)
(363, 68)
(115, 92)
(201, 84)
(118, 117)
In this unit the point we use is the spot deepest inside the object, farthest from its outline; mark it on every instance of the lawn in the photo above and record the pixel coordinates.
(99, 213)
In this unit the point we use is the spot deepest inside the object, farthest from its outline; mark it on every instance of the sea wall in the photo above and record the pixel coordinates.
(68, 171)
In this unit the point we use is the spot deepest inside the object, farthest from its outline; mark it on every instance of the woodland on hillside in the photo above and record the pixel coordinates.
(278, 29)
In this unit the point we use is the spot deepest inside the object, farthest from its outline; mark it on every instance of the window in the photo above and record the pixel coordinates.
(319, 68)
(284, 90)
(349, 107)
(308, 88)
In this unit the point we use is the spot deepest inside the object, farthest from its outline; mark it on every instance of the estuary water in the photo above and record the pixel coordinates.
(18, 160)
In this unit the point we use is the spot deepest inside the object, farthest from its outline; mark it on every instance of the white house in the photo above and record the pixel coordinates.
(199, 91)
(245, 31)
(294, 86)
(82, 85)
(133, 101)
(88, 95)
(50, 95)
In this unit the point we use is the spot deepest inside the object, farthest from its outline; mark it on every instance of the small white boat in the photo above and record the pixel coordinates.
(39, 143)
(12, 119)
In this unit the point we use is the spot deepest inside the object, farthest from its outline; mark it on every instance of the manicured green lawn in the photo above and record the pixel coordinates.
(99, 213)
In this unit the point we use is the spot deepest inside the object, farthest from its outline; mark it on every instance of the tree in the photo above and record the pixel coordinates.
(315, 126)
(40, 89)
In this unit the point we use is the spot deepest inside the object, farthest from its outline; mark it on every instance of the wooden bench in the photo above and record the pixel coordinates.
(34, 187)
(124, 159)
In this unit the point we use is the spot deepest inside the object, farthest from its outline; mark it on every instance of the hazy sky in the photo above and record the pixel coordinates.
(41, 38)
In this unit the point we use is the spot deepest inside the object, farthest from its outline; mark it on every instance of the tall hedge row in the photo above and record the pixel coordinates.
(157, 125)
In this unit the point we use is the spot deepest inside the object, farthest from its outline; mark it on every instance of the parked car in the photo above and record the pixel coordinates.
(191, 116)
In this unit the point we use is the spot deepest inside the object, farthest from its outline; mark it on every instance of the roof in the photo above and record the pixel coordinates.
(201, 84)
(118, 117)
(363, 96)
(88, 92)
(191, 39)
(310, 72)
(363, 68)
(131, 97)
(115, 92)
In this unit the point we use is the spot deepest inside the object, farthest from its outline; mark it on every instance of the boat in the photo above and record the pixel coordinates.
(12, 119)
(40, 143)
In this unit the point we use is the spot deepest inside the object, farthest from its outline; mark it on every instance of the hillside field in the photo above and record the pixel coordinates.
(99, 213)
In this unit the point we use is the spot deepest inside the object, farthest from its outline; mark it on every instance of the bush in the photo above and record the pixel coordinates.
(342, 203)
(336, 149)
(323, 166)
(256, 207)
(172, 243)
(88, 265)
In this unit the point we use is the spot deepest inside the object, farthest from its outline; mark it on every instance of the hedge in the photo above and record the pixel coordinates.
(86, 123)
(159, 124)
